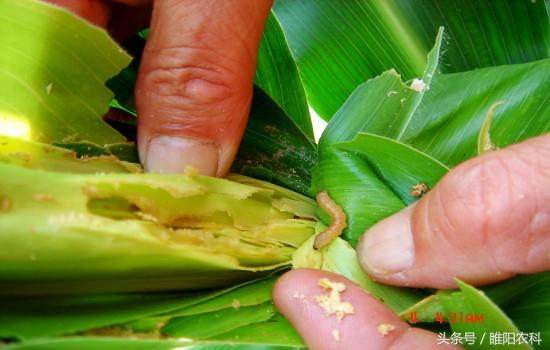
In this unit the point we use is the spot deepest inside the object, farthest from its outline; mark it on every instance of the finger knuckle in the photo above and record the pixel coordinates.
(194, 82)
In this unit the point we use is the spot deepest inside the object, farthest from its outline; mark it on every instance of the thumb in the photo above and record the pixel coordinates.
(195, 82)
(487, 220)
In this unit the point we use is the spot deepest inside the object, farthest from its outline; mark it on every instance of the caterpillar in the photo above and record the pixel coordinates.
(337, 225)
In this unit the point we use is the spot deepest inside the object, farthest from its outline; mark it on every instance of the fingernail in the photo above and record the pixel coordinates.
(388, 247)
(170, 154)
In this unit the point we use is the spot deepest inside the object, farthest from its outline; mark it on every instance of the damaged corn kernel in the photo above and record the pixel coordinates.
(336, 334)
(332, 302)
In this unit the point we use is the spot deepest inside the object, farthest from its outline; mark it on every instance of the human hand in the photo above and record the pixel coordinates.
(486, 220)
(490, 215)
(194, 85)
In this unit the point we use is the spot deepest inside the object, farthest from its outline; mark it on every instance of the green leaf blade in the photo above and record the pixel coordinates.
(339, 46)
(400, 166)
(210, 324)
(329, 41)
(275, 331)
(274, 148)
(454, 109)
(55, 67)
(473, 301)
(353, 185)
(277, 74)
(526, 300)
(482, 33)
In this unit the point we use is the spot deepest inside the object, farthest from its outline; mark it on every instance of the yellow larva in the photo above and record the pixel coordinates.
(337, 225)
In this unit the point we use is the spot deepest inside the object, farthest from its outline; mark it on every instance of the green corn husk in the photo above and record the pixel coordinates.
(63, 232)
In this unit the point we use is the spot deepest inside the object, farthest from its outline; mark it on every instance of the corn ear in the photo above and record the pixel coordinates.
(66, 232)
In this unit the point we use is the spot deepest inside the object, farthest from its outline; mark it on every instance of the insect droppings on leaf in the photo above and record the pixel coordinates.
(385, 328)
(236, 304)
(338, 220)
(419, 189)
(332, 301)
